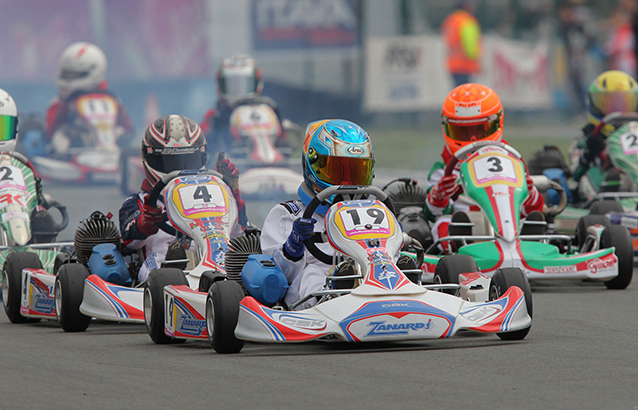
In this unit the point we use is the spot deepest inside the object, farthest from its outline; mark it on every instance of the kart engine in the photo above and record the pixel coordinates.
(238, 250)
(548, 157)
(92, 231)
(407, 195)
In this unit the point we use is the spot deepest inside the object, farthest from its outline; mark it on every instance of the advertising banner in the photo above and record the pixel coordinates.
(304, 24)
(409, 73)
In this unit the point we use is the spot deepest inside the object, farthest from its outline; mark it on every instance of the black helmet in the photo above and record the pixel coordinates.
(170, 143)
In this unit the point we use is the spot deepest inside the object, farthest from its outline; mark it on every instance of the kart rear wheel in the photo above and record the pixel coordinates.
(222, 312)
(588, 220)
(449, 267)
(12, 283)
(602, 207)
(504, 279)
(618, 237)
(69, 292)
(155, 305)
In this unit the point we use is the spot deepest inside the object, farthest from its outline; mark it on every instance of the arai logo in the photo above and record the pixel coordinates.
(355, 150)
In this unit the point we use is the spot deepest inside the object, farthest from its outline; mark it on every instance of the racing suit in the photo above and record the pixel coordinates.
(64, 111)
(442, 216)
(154, 247)
(216, 122)
(307, 274)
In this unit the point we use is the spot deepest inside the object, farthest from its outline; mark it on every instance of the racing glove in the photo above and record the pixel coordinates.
(440, 193)
(147, 222)
(231, 177)
(534, 201)
(302, 230)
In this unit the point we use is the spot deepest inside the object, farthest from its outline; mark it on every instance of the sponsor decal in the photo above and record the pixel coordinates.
(482, 313)
(355, 150)
(302, 322)
(601, 265)
(191, 326)
(560, 269)
(15, 214)
(383, 328)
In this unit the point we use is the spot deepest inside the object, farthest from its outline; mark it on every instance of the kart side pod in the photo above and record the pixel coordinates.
(263, 279)
(107, 263)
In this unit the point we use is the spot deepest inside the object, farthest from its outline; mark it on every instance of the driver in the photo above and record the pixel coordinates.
(170, 143)
(42, 224)
(239, 82)
(328, 158)
(471, 112)
(612, 91)
(81, 71)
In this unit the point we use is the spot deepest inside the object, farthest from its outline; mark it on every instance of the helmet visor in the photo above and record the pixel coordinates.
(604, 103)
(72, 74)
(8, 127)
(467, 131)
(237, 84)
(166, 163)
(343, 170)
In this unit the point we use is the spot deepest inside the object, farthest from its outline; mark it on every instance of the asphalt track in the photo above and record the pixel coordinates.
(580, 353)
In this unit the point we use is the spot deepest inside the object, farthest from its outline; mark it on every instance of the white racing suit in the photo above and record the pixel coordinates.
(306, 275)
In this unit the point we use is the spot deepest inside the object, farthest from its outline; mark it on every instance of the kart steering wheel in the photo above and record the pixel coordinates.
(464, 152)
(161, 184)
(615, 119)
(352, 190)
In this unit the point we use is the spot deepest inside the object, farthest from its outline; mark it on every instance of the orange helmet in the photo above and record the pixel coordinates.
(471, 112)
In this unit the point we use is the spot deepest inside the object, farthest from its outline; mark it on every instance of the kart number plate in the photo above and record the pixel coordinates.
(204, 198)
(12, 177)
(629, 142)
(250, 117)
(372, 220)
(493, 169)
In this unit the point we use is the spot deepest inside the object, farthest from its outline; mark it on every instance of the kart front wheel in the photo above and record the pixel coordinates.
(69, 291)
(222, 312)
(154, 304)
(618, 237)
(449, 267)
(12, 286)
(504, 279)
(588, 220)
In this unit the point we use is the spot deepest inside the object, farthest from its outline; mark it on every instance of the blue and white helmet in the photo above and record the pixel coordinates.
(336, 152)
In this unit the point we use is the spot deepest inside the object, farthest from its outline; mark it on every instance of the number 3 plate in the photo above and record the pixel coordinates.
(495, 168)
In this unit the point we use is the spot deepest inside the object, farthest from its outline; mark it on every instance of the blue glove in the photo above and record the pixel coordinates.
(302, 230)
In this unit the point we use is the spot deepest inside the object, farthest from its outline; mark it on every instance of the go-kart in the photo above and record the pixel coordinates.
(610, 188)
(93, 155)
(379, 302)
(202, 207)
(18, 236)
(492, 175)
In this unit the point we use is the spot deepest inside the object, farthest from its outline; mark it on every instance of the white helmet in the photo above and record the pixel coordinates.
(8, 122)
(238, 77)
(82, 67)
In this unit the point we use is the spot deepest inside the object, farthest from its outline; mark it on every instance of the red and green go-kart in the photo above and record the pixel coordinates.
(492, 176)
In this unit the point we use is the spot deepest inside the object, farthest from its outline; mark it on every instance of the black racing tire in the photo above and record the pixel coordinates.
(154, 303)
(618, 237)
(588, 220)
(222, 313)
(602, 207)
(12, 286)
(449, 267)
(504, 279)
(69, 291)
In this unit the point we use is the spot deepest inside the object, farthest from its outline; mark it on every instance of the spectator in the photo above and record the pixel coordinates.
(462, 35)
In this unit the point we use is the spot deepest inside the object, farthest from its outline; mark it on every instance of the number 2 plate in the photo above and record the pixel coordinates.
(629, 142)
